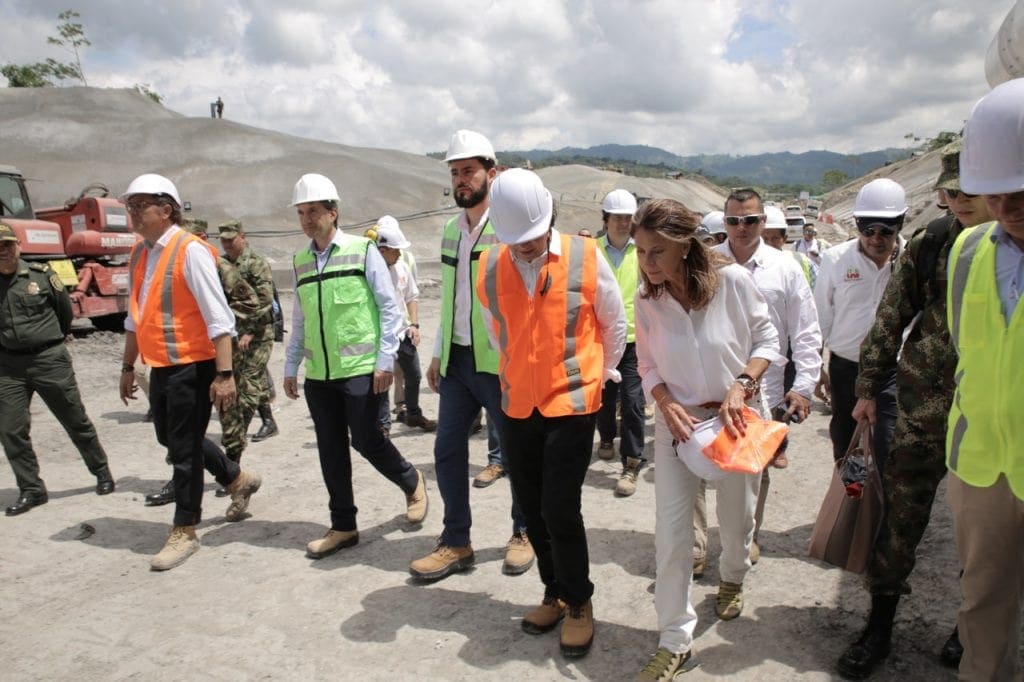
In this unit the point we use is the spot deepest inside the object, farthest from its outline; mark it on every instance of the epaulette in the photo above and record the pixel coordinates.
(40, 267)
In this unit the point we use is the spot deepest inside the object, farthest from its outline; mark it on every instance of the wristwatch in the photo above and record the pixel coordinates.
(749, 384)
(225, 373)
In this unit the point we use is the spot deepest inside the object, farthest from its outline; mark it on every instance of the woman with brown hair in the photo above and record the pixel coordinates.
(703, 340)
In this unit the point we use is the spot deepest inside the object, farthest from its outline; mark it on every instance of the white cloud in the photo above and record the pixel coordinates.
(690, 76)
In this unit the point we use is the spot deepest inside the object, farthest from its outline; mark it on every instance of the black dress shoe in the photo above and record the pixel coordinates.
(268, 429)
(26, 502)
(104, 486)
(952, 650)
(165, 496)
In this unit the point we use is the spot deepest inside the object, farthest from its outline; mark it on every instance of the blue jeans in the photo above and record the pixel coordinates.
(494, 455)
(463, 392)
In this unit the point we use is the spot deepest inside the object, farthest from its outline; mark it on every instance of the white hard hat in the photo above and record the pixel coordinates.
(881, 198)
(619, 201)
(521, 206)
(715, 222)
(775, 219)
(151, 183)
(467, 144)
(389, 234)
(992, 158)
(691, 452)
(314, 187)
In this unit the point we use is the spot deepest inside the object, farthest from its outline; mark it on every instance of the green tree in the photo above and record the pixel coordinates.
(42, 74)
(36, 75)
(833, 178)
(149, 92)
(72, 36)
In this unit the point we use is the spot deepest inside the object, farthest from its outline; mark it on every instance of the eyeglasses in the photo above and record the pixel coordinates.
(954, 193)
(869, 230)
(752, 219)
(138, 206)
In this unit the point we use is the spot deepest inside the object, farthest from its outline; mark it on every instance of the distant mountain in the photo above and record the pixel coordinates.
(781, 168)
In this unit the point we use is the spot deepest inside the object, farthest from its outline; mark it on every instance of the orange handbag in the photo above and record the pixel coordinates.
(751, 452)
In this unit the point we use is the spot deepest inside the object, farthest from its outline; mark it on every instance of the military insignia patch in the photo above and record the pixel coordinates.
(32, 288)
(56, 283)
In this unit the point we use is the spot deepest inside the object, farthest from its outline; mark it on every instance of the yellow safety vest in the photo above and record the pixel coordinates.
(627, 275)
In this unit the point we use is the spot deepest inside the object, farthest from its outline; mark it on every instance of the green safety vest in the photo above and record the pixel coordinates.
(342, 323)
(985, 435)
(627, 275)
(486, 358)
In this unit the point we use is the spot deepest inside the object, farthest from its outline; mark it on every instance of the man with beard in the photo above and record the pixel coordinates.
(464, 368)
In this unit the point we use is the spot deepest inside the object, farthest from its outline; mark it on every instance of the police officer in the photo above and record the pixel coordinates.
(35, 316)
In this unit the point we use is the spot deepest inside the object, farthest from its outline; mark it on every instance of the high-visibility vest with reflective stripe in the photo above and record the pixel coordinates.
(341, 319)
(985, 437)
(486, 358)
(627, 275)
(169, 329)
(552, 354)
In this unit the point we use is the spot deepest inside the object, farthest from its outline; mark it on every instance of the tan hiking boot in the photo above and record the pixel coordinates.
(443, 561)
(577, 630)
(729, 602)
(331, 543)
(664, 665)
(755, 552)
(490, 474)
(416, 501)
(519, 555)
(606, 450)
(699, 565)
(181, 544)
(241, 489)
(627, 480)
(542, 618)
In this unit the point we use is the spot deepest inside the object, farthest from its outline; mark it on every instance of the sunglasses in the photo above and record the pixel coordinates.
(138, 206)
(954, 193)
(752, 219)
(880, 228)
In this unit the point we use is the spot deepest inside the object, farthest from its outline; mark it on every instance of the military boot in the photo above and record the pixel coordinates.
(269, 427)
(860, 659)
(181, 544)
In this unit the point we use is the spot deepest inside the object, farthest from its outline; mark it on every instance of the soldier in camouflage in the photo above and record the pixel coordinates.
(916, 461)
(255, 338)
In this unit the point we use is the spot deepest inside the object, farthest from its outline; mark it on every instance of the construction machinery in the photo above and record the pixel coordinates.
(87, 242)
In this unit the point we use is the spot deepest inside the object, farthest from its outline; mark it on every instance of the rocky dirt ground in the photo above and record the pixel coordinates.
(79, 601)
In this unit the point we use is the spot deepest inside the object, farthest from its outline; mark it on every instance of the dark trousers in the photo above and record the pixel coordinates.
(548, 459)
(50, 374)
(180, 398)
(842, 375)
(464, 391)
(630, 394)
(408, 359)
(339, 407)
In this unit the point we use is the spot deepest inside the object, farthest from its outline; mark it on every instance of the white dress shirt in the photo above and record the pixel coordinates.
(406, 291)
(462, 324)
(699, 354)
(379, 280)
(847, 293)
(202, 280)
(608, 307)
(781, 281)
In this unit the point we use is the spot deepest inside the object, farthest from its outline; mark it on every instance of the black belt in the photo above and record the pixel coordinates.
(33, 349)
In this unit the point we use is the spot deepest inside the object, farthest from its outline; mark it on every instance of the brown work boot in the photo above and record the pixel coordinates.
(419, 420)
(606, 450)
(416, 501)
(519, 555)
(241, 489)
(755, 552)
(181, 544)
(331, 543)
(541, 619)
(577, 630)
(443, 561)
(490, 474)
(729, 601)
(627, 480)
(699, 566)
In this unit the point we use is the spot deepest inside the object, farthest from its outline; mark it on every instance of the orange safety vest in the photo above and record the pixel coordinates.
(170, 329)
(551, 351)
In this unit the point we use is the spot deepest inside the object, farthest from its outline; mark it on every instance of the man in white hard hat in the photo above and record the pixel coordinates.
(775, 235)
(180, 324)
(851, 280)
(464, 366)
(554, 311)
(810, 245)
(349, 351)
(627, 395)
(714, 221)
(985, 439)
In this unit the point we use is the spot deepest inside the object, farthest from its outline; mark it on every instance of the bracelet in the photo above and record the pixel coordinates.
(127, 369)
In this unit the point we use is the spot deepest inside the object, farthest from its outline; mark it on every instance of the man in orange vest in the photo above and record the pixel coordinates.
(181, 325)
(554, 312)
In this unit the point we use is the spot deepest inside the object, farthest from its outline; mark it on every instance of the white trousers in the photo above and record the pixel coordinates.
(675, 488)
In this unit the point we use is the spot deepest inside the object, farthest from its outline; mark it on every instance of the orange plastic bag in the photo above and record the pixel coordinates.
(750, 453)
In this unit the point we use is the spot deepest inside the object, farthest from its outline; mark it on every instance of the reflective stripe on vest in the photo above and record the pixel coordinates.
(341, 319)
(169, 329)
(552, 355)
(485, 358)
(627, 275)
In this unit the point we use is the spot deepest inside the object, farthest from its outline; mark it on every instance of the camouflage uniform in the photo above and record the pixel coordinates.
(924, 390)
(250, 366)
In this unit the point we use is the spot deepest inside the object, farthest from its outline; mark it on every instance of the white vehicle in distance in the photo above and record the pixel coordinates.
(794, 227)
(794, 210)
(813, 210)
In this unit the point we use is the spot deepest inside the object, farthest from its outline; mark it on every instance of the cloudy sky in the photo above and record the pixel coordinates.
(690, 76)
